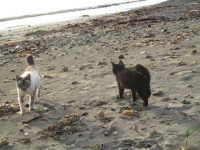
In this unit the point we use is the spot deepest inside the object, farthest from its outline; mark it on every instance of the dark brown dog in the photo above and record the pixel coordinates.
(136, 78)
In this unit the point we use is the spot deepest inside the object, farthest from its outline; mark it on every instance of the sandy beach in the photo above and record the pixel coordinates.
(78, 108)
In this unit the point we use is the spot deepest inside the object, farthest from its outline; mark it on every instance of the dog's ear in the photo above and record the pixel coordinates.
(121, 62)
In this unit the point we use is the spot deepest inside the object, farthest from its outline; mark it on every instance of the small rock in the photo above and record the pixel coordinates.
(12, 70)
(1, 64)
(45, 108)
(81, 107)
(158, 93)
(121, 57)
(194, 52)
(101, 114)
(148, 56)
(1, 56)
(65, 69)
(113, 109)
(143, 52)
(176, 48)
(26, 133)
(74, 83)
(85, 114)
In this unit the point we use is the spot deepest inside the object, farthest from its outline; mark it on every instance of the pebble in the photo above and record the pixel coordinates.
(81, 107)
(46, 109)
(121, 57)
(176, 48)
(1, 64)
(65, 69)
(148, 56)
(158, 93)
(101, 114)
(143, 52)
(194, 52)
(74, 83)
(26, 133)
(85, 114)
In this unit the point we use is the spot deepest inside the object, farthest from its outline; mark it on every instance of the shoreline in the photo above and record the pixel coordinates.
(76, 15)
(74, 60)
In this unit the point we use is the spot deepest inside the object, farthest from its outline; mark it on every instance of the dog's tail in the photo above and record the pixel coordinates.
(144, 71)
(30, 60)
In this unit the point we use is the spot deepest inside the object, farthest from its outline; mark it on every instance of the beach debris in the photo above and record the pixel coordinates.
(9, 80)
(3, 143)
(128, 112)
(123, 109)
(68, 125)
(95, 146)
(35, 118)
(47, 76)
(25, 140)
(85, 15)
(49, 68)
(8, 108)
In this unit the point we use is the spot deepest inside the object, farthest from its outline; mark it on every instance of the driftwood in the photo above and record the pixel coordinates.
(35, 118)
(108, 129)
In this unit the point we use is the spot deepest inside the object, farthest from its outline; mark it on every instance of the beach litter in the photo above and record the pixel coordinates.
(68, 125)
(8, 108)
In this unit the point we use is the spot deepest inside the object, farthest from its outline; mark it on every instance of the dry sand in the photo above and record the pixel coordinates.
(74, 60)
